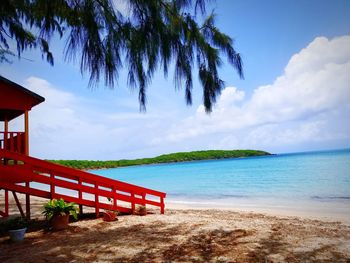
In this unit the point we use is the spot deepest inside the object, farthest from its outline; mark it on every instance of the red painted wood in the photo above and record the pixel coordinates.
(162, 206)
(80, 196)
(30, 169)
(75, 174)
(88, 177)
(12, 141)
(15, 99)
(97, 209)
(22, 189)
(18, 203)
(6, 203)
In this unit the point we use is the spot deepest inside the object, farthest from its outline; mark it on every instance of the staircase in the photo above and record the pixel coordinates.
(27, 175)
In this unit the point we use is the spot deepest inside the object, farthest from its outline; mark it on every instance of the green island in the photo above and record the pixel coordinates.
(165, 158)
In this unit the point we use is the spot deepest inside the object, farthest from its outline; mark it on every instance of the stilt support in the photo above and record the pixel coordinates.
(27, 203)
(6, 203)
(18, 204)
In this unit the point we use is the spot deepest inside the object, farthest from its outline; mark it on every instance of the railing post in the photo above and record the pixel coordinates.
(162, 205)
(143, 199)
(52, 185)
(6, 203)
(23, 139)
(97, 209)
(114, 196)
(27, 200)
(80, 197)
(19, 142)
(26, 152)
(12, 146)
(133, 202)
(6, 129)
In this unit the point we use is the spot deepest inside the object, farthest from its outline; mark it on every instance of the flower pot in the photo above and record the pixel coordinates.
(60, 222)
(17, 235)
(142, 212)
(109, 216)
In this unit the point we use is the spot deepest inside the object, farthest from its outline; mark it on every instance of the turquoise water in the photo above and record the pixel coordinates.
(314, 176)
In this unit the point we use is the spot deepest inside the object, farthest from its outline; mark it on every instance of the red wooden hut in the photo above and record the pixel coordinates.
(15, 101)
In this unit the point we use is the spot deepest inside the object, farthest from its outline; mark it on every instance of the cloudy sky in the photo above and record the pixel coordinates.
(295, 96)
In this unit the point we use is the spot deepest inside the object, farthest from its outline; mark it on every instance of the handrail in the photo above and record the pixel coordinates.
(12, 141)
(27, 168)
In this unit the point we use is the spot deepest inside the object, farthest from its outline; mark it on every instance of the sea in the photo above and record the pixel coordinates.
(300, 183)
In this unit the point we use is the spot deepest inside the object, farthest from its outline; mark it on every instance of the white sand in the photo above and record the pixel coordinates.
(186, 235)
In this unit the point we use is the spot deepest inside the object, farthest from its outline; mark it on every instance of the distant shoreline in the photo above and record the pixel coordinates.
(163, 159)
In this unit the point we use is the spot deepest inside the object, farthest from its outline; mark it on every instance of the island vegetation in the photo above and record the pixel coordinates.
(165, 158)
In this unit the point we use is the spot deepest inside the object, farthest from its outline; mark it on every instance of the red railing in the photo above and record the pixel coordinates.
(12, 141)
(19, 168)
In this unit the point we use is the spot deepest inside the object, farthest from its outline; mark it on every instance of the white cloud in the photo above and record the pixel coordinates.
(67, 126)
(298, 107)
(306, 107)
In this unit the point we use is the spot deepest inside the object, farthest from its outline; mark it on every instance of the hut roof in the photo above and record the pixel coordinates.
(15, 99)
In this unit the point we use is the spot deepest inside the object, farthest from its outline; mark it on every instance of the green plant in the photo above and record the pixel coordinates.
(16, 223)
(59, 207)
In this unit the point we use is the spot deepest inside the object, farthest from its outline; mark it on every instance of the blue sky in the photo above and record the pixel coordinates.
(295, 95)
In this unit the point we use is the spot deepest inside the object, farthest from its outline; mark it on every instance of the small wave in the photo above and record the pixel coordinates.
(330, 197)
(189, 202)
(223, 196)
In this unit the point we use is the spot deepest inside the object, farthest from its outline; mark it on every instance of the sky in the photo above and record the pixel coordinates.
(295, 96)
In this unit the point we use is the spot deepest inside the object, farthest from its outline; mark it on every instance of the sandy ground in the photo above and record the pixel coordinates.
(185, 235)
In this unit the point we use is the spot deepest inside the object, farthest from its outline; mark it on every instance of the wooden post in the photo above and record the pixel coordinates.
(133, 202)
(6, 129)
(97, 208)
(6, 124)
(80, 197)
(18, 203)
(143, 199)
(6, 203)
(26, 133)
(26, 152)
(114, 197)
(52, 186)
(162, 205)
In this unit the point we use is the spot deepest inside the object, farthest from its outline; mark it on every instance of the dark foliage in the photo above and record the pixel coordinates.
(152, 34)
(165, 158)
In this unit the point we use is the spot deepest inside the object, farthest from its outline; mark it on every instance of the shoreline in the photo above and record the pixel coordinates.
(323, 212)
(331, 215)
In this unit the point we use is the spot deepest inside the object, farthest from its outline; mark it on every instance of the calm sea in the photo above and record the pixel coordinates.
(314, 177)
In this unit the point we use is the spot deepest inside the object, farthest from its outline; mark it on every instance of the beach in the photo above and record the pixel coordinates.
(185, 234)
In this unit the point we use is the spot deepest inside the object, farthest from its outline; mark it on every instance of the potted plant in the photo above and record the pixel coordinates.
(17, 228)
(57, 212)
(110, 215)
(140, 210)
